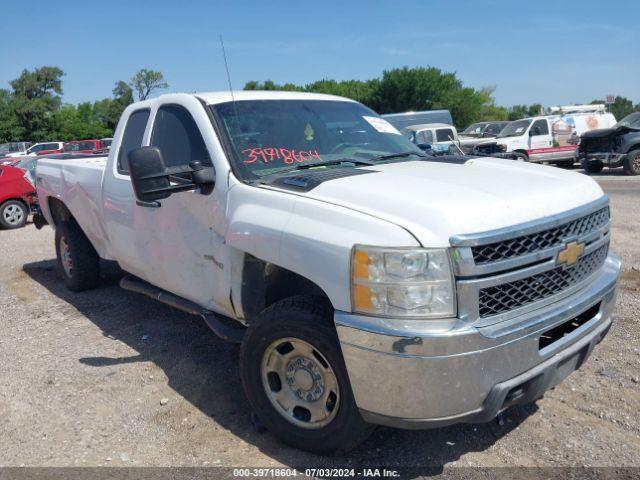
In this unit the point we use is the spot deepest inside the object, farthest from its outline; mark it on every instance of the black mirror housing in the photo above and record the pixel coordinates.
(424, 146)
(153, 181)
(149, 176)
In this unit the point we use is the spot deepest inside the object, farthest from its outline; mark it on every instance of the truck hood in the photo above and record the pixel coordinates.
(605, 132)
(435, 200)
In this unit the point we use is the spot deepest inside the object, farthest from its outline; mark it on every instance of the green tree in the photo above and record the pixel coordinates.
(517, 112)
(404, 89)
(10, 130)
(146, 81)
(36, 96)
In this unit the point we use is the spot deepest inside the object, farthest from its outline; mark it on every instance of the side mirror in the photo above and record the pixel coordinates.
(424, 146)
(153, 181)
(149, 175)
(534, 132)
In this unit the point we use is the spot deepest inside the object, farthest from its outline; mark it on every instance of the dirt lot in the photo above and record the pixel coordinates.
(108, 377)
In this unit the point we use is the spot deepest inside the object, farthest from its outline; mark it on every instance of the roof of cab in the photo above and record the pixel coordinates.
(426, 126)
(225, 96)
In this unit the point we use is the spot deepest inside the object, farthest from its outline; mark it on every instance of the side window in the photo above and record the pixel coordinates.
(493, 129)
(424, 136)
(444, 135)
(132, 137)
(176, 134)
(37, 148)
(540, 127)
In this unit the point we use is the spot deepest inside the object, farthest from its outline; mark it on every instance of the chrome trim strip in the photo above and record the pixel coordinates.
(464, 265)
(508, 233)
(469, 291)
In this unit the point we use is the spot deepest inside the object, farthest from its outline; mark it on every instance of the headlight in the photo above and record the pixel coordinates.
(402, 282)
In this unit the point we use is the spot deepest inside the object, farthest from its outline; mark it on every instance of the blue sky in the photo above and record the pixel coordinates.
(552, 52)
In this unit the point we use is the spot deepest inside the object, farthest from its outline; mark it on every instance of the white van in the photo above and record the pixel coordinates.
(555, 137)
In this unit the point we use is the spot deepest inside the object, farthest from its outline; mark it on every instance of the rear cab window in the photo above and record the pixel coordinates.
(132, 137)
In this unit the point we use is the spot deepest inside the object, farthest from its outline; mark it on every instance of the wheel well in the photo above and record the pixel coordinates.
(522, 152)
(22, 201)
(59, 211)
(634, 147)
(265, 283)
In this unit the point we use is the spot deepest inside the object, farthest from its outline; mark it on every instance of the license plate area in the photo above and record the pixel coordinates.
(560, 331)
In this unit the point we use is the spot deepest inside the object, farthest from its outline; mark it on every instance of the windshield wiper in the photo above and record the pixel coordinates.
(339, 161)
(389, 156)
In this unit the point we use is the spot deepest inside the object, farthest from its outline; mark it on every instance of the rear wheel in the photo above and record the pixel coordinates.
(296, 380)
(632, 163)
(13, 214)
(594, 166)
(77, 259)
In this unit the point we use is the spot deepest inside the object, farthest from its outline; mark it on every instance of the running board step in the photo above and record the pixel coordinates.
(221, 329)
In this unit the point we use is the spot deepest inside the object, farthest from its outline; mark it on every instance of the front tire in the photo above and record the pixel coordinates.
(521, 157)
(632, 163)
(13, 214)
(77, 259)
(594, 166)
(295, 377)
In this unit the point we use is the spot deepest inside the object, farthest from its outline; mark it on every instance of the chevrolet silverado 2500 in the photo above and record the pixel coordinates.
(371, 284)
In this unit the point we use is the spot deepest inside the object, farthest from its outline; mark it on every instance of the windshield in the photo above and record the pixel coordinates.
(474, 129)
(269, 136)
(630, 121)
(515, 129)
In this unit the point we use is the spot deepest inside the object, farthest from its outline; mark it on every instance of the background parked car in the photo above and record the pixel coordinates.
(105, 143)
(436, 137)
(618, 146)
(43, 148)
(550, 138)
(17, 196)
(13, 147)
(82, 146)
(478, 133)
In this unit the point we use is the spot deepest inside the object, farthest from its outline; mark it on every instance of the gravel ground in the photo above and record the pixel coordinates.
(108, 377)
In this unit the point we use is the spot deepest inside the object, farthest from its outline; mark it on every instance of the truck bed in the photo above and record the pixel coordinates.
(77, 183)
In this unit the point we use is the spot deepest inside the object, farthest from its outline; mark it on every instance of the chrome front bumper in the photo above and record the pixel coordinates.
(402, 375)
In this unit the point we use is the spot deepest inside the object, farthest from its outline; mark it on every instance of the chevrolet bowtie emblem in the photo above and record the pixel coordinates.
(571, 253)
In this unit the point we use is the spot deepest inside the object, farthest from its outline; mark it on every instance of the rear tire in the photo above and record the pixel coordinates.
(295, 377)
(632, 163)
(13, 214)
(77, 259)
(592, 166)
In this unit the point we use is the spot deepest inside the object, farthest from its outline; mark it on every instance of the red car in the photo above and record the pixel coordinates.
(17, 196)
(82, 146)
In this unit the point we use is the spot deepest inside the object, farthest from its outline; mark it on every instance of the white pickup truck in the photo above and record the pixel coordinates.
(369, 284)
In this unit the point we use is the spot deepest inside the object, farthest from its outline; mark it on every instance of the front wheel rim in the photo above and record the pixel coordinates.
(13, 214)
(65, 257)
(300, 383)
(636, 163)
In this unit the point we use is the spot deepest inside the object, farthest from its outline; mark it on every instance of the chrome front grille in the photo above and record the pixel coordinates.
(533, 242)
(508, 272)
(509, 296)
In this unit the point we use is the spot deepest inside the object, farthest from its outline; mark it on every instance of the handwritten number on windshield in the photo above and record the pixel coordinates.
(284, 155)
